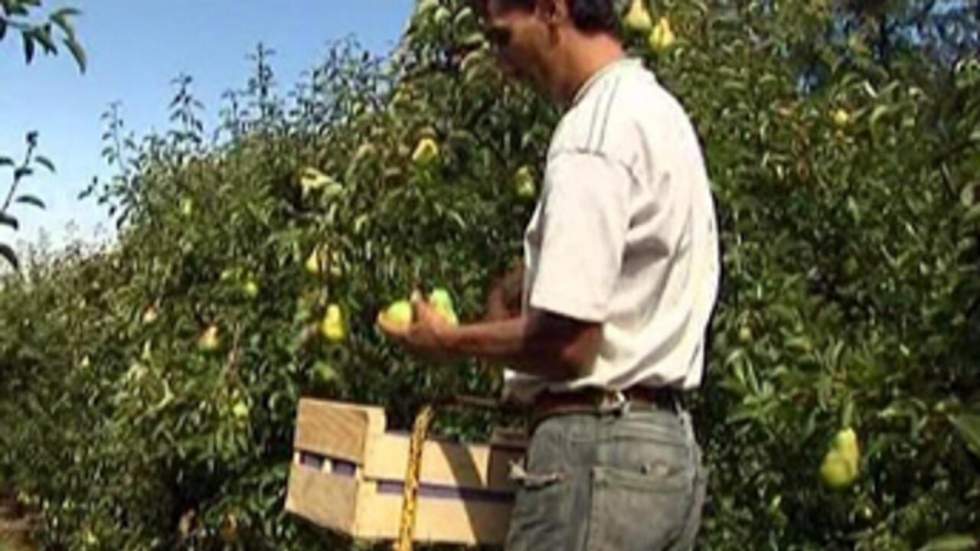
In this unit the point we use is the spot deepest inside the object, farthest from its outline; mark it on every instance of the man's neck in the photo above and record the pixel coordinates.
(586, 55)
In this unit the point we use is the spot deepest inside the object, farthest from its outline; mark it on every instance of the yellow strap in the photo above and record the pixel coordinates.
(410, 501)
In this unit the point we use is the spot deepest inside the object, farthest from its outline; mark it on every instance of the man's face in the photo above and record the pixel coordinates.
(519, 38)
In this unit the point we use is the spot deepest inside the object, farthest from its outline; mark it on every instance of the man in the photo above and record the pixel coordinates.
(620, 277)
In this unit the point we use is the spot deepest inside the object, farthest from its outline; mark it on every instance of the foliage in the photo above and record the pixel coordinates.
(16, 15)
(850, 297)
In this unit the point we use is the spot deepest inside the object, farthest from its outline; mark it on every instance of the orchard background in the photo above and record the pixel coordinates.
(148, 388)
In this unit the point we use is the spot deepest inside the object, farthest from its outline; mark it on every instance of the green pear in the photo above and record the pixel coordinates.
(251, 289)
(524, 183)
(240, 410)
(442, 301)
(638, 19)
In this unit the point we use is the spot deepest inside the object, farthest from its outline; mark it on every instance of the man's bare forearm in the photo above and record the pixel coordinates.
(522, 344)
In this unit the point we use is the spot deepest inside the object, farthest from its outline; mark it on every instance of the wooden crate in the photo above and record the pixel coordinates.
(348, 476)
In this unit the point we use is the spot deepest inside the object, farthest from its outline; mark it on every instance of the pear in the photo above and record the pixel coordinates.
(638, 19)
(333, 326)
(150, 315)
(442, 301)
(311, 179)
(209, 341)
(240, 410)
(662, 37)
(399, 313)
(841, 465)
(229, 529)
(187, 207)
(841, 118)
(524, 182)
(317, 260)
(426, 152)
(251, 289)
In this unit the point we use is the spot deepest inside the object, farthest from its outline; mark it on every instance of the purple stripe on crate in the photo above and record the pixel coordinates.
(310, 460)
(344, 468)
(316, 461)
(436, 491)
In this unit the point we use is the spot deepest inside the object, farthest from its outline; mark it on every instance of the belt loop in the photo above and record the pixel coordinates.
(621, 405)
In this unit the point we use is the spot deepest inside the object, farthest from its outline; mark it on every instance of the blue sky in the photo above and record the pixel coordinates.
(135, 49)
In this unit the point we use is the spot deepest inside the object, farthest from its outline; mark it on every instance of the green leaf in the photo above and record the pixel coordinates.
(28, 47)
(61, 19)
(6, 161)
(7, 253)
(45, 162)
(952, 542)
(973, 214)
(77, 52)
(968, 425)
(31, 200)
(8, 220)
(43, 35)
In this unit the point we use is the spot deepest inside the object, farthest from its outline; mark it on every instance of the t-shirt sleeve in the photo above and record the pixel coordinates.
(584, 221)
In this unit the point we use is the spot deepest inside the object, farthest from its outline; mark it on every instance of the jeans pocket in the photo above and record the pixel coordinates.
(540, 517)
(638, 510)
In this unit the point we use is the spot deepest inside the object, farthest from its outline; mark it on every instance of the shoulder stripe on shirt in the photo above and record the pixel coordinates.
(597, 107)
(609, 105)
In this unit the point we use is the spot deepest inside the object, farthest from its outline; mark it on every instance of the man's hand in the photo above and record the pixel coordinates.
(425, 336)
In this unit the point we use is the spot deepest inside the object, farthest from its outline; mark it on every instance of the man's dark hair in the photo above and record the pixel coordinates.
(591, 16)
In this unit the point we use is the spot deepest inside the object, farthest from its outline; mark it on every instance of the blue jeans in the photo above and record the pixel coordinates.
(618, 481)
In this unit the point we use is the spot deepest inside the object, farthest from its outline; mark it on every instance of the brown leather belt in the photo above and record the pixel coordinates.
(595, 400)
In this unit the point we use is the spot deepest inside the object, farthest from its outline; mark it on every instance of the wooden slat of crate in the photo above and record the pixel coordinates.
(438, 520)
(325, 499)
(474, 467)
(335, 429)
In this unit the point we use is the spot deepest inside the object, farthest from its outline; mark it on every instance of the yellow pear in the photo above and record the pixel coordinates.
(316, 261)
(638, 19)
(841, 465)
(333, 326)
(399, 313)
(229, 529)
(841, 118)
(426, 152)
(661, 37)
(150, 315)
(209, 340)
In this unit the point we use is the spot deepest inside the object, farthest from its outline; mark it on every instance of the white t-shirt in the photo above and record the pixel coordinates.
(624, 234)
